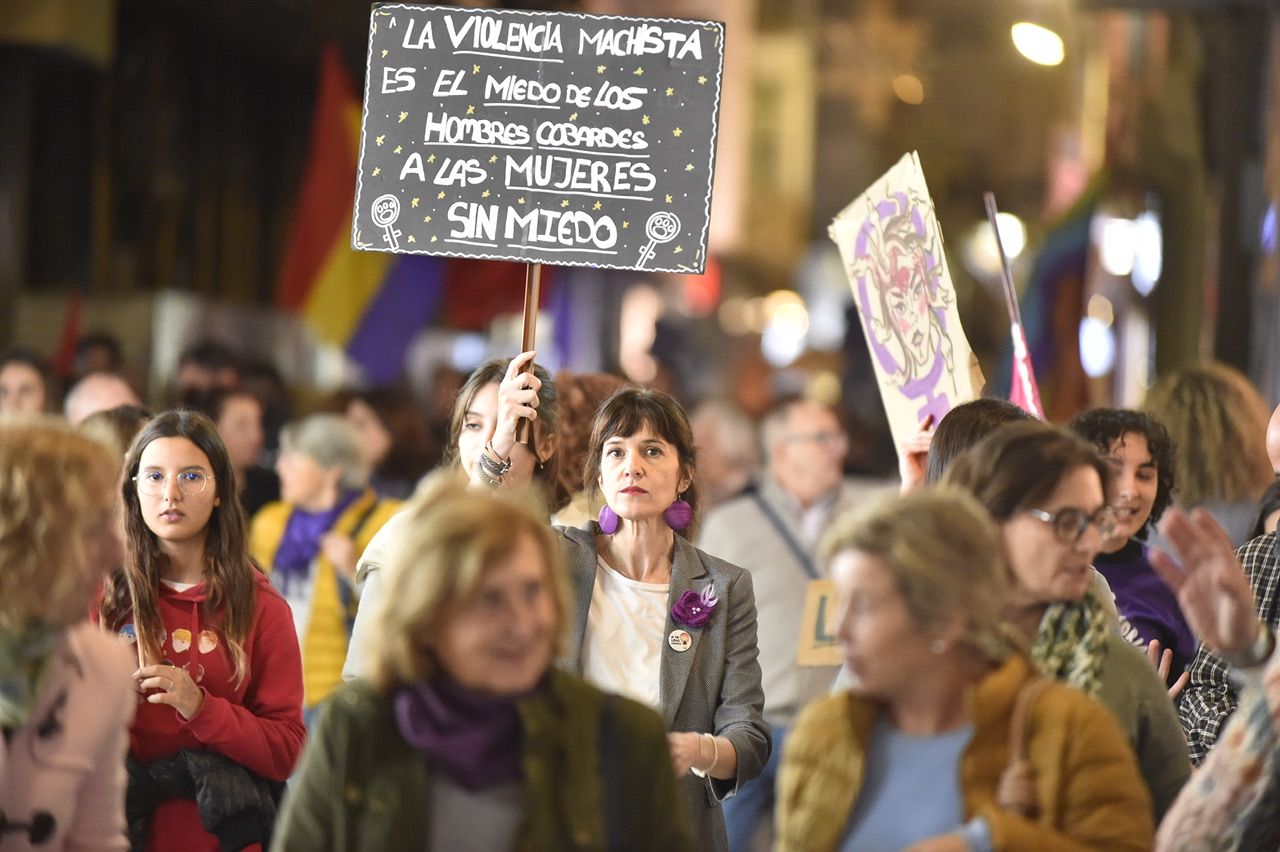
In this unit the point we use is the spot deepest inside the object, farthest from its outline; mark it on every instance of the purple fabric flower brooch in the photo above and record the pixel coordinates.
(694, 608)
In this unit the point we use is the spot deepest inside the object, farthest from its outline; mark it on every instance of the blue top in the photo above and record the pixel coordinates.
(911, 789)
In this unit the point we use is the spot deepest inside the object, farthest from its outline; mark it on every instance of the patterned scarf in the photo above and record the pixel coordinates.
(1071, 642)
(24, 662)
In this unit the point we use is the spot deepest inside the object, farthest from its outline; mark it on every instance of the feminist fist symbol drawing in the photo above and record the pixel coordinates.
(386, 210)
(662, 227)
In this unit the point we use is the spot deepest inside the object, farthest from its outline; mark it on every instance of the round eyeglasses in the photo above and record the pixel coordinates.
(1070, 523)
(190, 482)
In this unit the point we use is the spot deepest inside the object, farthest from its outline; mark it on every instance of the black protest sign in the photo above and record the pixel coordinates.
(580, 140)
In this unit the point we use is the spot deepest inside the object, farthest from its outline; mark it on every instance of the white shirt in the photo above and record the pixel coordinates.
(622, 648)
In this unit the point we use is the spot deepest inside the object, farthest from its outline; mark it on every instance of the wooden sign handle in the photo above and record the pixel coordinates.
(532, 284)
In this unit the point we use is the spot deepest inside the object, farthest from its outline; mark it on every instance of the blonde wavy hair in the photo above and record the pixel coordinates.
(454, 535)
(946, 555)
(57, 488)
(1219, 423)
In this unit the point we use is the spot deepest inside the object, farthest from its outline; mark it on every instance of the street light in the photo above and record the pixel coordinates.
(1039, 44)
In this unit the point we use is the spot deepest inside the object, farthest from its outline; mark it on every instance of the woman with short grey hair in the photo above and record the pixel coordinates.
(308, 541)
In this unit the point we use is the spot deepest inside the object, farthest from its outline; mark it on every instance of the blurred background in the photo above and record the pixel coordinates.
(153, 154)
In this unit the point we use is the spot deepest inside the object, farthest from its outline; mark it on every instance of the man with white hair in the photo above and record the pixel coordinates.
(97, 392)
(773, 531)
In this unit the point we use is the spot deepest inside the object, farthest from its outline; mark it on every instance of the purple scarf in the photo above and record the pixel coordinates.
(472, 738)
(301, 540)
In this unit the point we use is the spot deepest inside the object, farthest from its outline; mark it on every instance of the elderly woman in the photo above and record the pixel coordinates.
(309, 540)
(465, 737)
(656, 618)
(1046, 488)
(917, 753)
(477, 428)
(65, 698)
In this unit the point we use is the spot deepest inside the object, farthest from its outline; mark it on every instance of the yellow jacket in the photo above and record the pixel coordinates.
(324, 647)
(1090, 792)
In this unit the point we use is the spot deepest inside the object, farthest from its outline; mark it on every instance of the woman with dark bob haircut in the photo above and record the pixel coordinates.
(1047, 490)
(220, 723)
(658, 620)
(1142, 459)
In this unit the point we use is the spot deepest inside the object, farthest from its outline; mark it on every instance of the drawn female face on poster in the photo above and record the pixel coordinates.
(906, 296)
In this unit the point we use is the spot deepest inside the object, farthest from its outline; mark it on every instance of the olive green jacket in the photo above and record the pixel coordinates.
(361, 786)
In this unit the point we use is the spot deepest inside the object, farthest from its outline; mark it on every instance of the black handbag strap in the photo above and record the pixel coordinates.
(802, 556)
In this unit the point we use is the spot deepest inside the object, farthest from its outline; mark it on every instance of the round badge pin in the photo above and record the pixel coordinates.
(680, 640)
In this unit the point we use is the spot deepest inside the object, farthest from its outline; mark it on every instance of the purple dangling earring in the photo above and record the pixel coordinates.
(608, 520)
(678, 515)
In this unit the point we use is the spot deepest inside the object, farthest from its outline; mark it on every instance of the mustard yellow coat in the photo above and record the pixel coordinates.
(1090, 791)
(324, 647)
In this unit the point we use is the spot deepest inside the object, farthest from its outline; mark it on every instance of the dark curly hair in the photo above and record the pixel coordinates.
(1104, 426)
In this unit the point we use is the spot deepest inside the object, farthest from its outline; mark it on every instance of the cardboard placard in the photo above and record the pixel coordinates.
(891, 245)
(818, 643)
(547, 137)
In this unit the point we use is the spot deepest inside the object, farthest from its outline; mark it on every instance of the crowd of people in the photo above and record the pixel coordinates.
(572, 615)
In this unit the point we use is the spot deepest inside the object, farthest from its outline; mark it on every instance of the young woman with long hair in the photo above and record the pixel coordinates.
(218, 656)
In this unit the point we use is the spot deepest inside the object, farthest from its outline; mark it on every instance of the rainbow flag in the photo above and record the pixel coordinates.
(370, 303)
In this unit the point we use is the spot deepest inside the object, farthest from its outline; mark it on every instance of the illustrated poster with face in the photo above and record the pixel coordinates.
(891, 246)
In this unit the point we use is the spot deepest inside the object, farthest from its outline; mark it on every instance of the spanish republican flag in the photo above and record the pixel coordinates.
(370, 303)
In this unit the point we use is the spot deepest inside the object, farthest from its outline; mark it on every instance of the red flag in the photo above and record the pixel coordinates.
(1023, 391)
(65, 358)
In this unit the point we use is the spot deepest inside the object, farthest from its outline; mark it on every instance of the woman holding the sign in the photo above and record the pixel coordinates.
(482, 448)
(657, 619)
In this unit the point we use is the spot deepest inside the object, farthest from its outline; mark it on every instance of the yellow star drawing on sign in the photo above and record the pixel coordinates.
(702, 80)
(397, 150)
(377, 170)
(688, 167)
(595, 206)
(670, 91)
(471, 110)
(484, 194)
(441, 195)
(520, 200)
(494, 158)
(475, 69)
(599, 69)
(644, 119)
(403, 116)
(411, 239)
(639, 72)
(668, 199)
(413, 202)
(564, 203)
(573, 117)
(431, 158)
(677, 132)
(384, 54)
(625, 224)
(433, 238)
(677, 250)
(426, 218)
(379, 139)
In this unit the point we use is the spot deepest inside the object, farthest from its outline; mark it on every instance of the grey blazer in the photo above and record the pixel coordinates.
(714, 687)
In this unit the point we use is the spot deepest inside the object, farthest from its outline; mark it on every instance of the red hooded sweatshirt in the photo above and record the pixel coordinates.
(257, 723)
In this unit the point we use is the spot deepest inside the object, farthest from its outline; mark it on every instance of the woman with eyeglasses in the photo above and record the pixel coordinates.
(1047, 490)
(219, 724)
